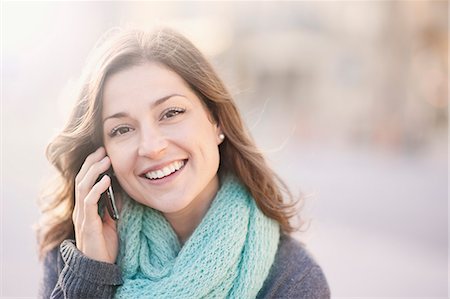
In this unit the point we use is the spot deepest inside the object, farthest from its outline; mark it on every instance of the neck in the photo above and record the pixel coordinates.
(185, 221)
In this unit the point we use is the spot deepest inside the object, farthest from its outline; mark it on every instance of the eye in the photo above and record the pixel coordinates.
(119, 130)
(172, 112)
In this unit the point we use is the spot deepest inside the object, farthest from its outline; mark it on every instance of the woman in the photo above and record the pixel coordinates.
(201, 214)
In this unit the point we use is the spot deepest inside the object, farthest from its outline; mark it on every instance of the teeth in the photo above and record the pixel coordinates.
(167, 170)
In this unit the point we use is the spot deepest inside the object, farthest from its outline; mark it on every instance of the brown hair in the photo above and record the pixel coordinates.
(82, 134)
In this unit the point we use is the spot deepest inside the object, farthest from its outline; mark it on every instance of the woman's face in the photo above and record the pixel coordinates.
(161, 141)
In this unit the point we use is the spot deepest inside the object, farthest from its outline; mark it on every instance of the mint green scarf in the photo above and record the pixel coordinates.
(229, 255)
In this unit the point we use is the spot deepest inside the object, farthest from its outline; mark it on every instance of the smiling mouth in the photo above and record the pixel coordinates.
(165, 171)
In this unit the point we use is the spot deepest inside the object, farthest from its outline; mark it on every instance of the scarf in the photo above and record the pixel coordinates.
(229, 254)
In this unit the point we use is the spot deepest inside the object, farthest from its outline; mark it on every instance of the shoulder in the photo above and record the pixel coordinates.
(294, 274)
(52, 261)
(52, 266)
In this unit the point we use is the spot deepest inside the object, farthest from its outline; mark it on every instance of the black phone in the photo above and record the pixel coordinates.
(107, 198)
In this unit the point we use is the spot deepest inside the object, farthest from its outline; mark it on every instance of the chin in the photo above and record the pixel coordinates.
(166, 205)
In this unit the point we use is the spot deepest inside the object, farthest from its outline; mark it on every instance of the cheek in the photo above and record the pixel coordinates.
(204, 129)
(207, 142)
(199, 136)
(120, 158)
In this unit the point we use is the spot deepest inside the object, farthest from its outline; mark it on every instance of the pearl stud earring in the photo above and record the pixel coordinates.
(221, 136)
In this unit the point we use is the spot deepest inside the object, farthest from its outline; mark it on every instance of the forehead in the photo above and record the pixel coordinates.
(149, 81)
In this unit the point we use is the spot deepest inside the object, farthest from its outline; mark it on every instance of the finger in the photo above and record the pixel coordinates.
(88, 221)
(90, 209)
(87, 190)
(90, 159)
(85, 187)
(93, 173)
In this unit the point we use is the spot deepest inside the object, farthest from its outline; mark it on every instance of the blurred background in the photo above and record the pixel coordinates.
(349, 101)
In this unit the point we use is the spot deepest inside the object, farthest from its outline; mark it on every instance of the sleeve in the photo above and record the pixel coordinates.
(294, 274)
(312, 285)
(78, 276)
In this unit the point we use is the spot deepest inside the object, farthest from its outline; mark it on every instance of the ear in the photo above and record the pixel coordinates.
(219, 134)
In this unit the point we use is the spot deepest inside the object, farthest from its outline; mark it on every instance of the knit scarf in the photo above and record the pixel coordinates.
(229, 254)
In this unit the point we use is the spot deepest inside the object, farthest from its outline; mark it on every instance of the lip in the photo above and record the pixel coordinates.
(165, 179)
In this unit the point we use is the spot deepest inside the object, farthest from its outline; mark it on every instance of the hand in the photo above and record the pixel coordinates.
(96, 237)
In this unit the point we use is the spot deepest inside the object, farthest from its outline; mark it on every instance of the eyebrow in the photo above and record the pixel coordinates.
(152, 106)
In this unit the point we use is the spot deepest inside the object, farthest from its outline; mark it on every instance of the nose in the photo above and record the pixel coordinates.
(152, 143)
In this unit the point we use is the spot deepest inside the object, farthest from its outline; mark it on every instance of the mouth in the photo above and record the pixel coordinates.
(166, 171)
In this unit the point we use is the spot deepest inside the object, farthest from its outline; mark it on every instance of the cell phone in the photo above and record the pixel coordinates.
(107, 198)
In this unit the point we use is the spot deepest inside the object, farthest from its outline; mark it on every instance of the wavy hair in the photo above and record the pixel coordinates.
(121, 49)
